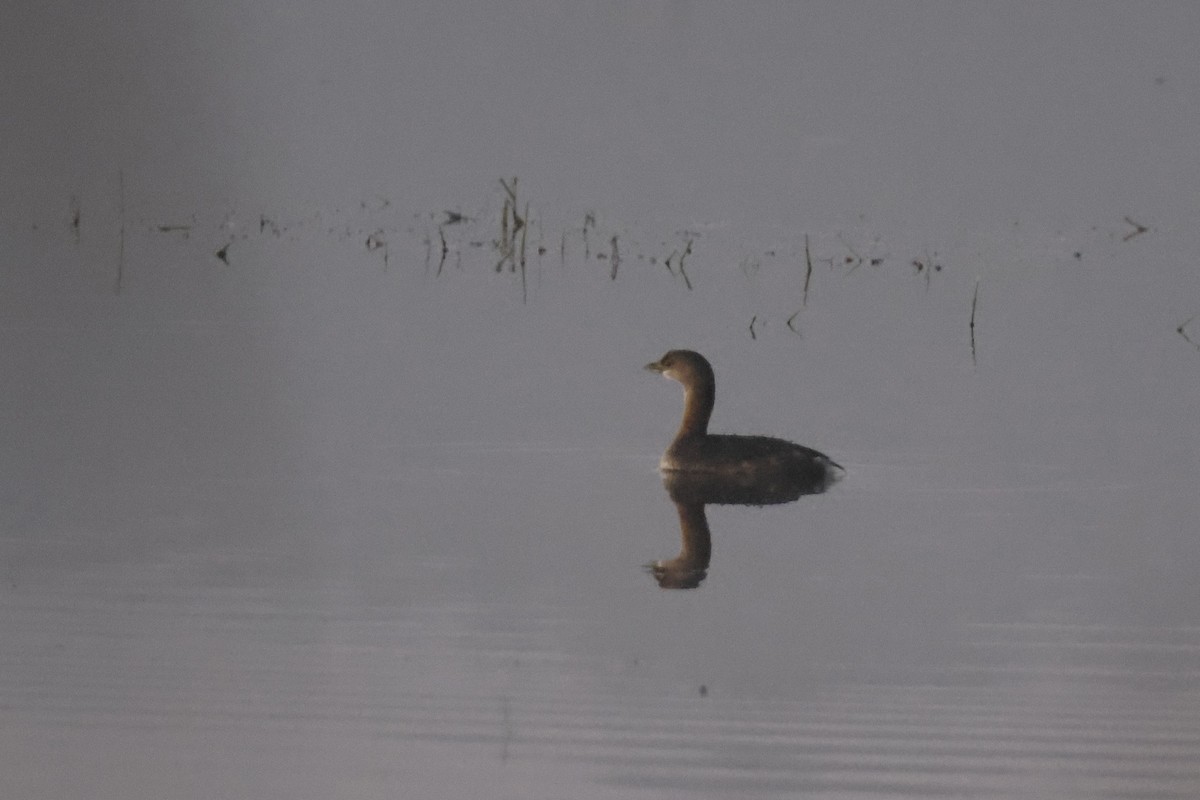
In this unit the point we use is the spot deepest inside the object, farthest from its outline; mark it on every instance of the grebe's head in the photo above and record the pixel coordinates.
(686, 366)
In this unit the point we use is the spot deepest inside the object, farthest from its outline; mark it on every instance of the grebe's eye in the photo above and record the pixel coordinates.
(666, 361)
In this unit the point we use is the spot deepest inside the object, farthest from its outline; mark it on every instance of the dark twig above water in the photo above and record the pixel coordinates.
(524, 230)
(75, 216)
(807, 274)
(507, 244)
(679, 257)
(503, 243)
(927, 267)
(1182, 331)
(589, 221)
(378, 241)
(265, 224)
(687, 251)
(524, 222)
(1139, 229)
(854, 260)
(974, 302)
(510, 190)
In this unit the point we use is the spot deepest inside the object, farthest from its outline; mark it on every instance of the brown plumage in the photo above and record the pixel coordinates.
(756, 457)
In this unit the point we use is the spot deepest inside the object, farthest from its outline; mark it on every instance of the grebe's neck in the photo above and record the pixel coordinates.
(698, 397)
(697, 541)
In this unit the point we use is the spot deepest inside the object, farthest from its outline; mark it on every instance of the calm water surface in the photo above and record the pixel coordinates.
(355, 516)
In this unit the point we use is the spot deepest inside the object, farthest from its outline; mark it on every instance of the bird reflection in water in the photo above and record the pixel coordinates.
(700, 468)
(691, 492)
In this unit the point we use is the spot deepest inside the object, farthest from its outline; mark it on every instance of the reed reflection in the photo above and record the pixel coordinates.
(692, 491)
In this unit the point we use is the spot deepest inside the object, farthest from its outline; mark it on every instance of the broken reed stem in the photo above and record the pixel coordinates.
(1182, 331)
(445, 250)
(75, 216)
(503, 233)
(512, 191)
(974, 303)
(589, 219)
(807, 270)
(524, 231)
(686, 281)
(687, 251)
(508, 236)
(615, 258)
(1140, 229)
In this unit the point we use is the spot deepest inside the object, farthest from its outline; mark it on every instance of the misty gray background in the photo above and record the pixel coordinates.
(292, 505)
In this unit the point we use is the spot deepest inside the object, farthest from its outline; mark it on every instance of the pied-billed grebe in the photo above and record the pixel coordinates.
(696, 450)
